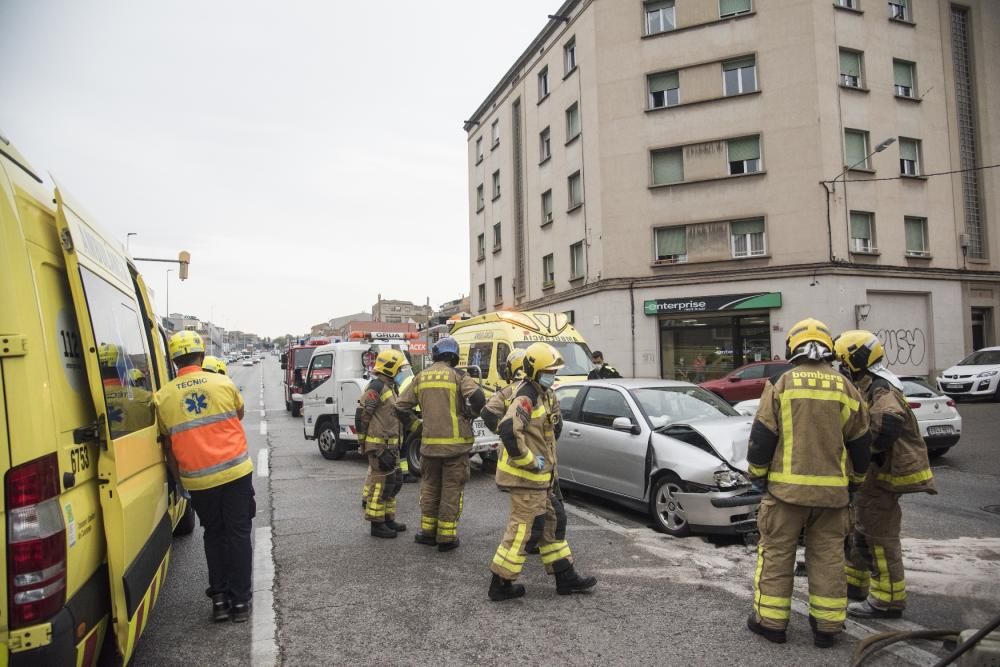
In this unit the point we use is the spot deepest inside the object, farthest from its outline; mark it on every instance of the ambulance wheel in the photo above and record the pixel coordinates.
(326, 440)
(413, 456)
(188, 521)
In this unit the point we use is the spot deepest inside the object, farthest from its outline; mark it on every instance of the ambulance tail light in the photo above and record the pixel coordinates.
(36, 542)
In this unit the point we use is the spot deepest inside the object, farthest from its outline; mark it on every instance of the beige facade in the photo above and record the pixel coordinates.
(700, 148)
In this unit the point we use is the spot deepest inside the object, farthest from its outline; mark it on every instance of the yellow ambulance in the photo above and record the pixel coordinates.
(88, 506)
(485, 341)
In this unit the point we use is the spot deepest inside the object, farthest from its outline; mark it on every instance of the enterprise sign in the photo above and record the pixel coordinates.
(711, 304)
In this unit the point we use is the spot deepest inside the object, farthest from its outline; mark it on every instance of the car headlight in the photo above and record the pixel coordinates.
(988, 374)
(730, 479)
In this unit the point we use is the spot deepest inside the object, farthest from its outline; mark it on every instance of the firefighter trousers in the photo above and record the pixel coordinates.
(537, 515)
(442, 490)
(875, 567)
(780, 524)
(381, 488)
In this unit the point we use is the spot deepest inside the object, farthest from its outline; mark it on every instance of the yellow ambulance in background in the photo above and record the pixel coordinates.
(88, 507)
(485, 341)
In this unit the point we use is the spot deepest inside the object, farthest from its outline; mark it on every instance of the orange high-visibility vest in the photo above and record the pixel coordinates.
(199, 412)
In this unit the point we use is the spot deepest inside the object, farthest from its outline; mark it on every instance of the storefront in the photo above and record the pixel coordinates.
(705, 337)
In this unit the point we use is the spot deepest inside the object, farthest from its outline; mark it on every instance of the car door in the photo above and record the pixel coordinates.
(318, 389)
(749, 383)
(606, 458)
(566, 449)
(131, 471)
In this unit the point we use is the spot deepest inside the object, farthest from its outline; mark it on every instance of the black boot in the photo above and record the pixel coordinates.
(409, 479)
(423, 538)
(395, 525)
(501, 589)
(568, 581)
(448, 546)
(382, 530)
(220, 607)
(240, 612)
(771, 635)
(822, 639)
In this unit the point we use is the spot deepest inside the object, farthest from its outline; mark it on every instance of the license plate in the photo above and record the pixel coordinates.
(940, 430)
(480, 447)
(953, 386)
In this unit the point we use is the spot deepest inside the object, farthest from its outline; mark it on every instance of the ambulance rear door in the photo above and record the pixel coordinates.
(120, 376)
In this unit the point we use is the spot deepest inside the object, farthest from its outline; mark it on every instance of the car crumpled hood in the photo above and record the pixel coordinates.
(728, 436)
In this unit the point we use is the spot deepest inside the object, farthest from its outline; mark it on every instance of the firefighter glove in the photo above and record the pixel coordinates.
(758, 484)
(539, 462)
(386, 461)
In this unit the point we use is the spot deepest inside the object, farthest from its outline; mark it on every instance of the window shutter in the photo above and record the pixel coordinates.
(737, 64)
(850, 63)
(654, 6)
(914, 234)
(671, 241)
(902, 73)
(861, 226)
(908, 149)
(668, 167)
(727, 7)
(854, 146)
(747, 148)
(741, 227)
(663, 81)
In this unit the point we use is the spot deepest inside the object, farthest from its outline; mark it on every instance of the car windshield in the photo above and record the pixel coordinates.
(981, 358)
(914, 388)
(669, 405)
(576, 355)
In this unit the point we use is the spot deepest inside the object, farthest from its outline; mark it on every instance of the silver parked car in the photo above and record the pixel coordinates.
(663, 447)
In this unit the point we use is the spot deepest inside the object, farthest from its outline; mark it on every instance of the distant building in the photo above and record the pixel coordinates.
(397, 312)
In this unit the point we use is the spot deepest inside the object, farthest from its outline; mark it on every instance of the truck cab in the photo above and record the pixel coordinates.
(294, 363)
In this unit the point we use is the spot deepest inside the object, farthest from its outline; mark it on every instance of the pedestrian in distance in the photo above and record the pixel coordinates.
(199, 415)
(875, 575)
(380, 436)
(448, 399)
(601, 370)
(526, 470)
(806, 421)
(699, 368)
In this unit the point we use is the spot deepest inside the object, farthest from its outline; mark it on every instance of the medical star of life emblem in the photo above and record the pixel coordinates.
(195, 403)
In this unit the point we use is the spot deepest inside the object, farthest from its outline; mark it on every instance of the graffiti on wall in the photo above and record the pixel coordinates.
(903, 347)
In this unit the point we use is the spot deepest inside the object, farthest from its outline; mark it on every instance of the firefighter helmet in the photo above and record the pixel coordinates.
(108, 355)
(214, 365)
(858, 349)
(511, 368)
(541, 357)
(808, 331)
(388, 362)
(446, 345)
(185, 342)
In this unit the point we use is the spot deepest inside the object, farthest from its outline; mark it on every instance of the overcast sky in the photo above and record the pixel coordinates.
(309, 155)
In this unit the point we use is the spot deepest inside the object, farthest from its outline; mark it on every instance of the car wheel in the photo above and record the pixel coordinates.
(413, 457)
(288, 406)
(188, 521)
(668, 513)
(326, 440)
(937, 453)
(296, 409)
(489, 464)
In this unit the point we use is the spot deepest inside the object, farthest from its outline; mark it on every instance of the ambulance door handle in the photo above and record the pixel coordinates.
(574, 434)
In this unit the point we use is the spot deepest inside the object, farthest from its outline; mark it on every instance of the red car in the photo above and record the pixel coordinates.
(747, 381)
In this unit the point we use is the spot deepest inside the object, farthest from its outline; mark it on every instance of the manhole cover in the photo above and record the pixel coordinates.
(992, 509)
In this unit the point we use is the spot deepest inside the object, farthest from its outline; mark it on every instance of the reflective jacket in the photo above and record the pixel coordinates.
(529, 428)
(199, 412)
(904, 466)
(440, 391)
(808, 423)
(376, 421)
(496, 406)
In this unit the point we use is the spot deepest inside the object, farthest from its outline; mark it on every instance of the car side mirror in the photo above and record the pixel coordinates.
(625, 424)
(735, 378)
(475, 372)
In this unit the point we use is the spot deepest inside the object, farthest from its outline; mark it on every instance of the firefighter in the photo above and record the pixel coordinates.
(379, 436)
(128, 399)
(199, 415)
(529, 430)
(806, 420)
(510, 372)
(899, 465)
(214, 365)
(445, 423)
(404, 452)
(601, 371)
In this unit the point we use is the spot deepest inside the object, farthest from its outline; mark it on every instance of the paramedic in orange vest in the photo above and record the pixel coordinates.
(199, 415)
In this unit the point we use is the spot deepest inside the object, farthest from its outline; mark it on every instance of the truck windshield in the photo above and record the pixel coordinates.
(576, 355)
(303, 356)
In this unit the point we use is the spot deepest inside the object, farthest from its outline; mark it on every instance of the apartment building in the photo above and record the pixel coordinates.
(395, 312)
(691, 177)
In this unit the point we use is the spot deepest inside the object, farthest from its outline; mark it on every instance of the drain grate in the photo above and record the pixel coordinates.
(992, 509)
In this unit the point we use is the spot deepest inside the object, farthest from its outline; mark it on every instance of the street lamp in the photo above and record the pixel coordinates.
(169, 271)
(878, 149)
(128, 238)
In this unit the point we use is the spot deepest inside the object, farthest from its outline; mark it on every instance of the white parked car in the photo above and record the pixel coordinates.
(976, 375)
(247, 362)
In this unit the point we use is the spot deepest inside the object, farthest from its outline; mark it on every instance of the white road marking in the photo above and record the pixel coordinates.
(263, 428)
(263, 413)
(262, 468)
(263, 648)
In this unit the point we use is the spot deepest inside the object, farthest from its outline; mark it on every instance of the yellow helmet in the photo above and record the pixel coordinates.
(805, 331)
(214, 365)
(512, 368)
(136, 376)
(858, 349)
(541, 357)
(185, 342)
(388, 362)
(108, 355)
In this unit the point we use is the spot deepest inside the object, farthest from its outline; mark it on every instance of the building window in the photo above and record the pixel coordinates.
(495, 133)
(748, 237)
(543, 84)
(733, 7)
(862, 232)
(576, 264)
(479, 150)
(548, 271)
(482, 296)
(668, 166)
(569, 55)
(743, 155)
(670, 245)
(496, 237)
(498, 290)
(851, 68)
(481, 246)
(575, 189)
(899, 10)
(904, 77)
(739, 76)
(660, 17)
(915, 230)
(573, 122)
(856, 149)
(570, 316)
(909, 157)
(547, 207)
(545, 145)
(496, 184)
(480, 198)
(849, 4)
(664, 90)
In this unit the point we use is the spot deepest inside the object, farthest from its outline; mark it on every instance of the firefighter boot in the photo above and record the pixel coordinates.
(448, 546)
(501, 589)
(240, 612)
(770, 634)
(856, 593)
(423, 538)
(821, 639)
(867, 610)
(395, 525)
(568, 581)
(382, 530)
(220, 607)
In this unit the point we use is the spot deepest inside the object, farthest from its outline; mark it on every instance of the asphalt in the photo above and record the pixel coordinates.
(343, 597)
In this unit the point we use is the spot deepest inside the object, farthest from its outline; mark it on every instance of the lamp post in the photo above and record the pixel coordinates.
(128, 239)
(169, 271)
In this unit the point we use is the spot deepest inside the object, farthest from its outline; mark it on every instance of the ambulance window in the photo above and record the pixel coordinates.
(122, 355)
(166, 346)
(480, 355)
(503, 349)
